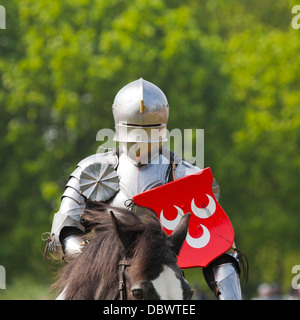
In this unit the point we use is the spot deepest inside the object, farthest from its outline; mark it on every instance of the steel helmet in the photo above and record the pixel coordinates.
(141, 112)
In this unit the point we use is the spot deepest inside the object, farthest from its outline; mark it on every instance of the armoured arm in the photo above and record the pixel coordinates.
(85, 183)
(223, 274)
(66, 225)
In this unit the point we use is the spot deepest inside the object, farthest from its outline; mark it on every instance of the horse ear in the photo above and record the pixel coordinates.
(125, 237)
(178, 236)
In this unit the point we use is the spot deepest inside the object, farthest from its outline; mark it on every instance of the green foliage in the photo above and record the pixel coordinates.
(231, 68)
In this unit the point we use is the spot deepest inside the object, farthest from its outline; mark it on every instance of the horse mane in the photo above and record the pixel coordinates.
(93, 274)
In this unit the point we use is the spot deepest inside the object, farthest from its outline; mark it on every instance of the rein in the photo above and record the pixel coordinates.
(122, 280)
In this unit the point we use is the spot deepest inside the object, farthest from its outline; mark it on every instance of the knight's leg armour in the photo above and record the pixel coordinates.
(223, 277)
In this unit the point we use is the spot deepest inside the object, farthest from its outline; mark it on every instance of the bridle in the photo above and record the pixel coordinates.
(122, 280)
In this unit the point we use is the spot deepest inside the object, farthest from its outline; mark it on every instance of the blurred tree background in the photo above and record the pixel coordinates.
(230, 67)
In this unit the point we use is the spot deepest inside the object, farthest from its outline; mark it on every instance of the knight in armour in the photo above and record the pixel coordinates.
(140, 163)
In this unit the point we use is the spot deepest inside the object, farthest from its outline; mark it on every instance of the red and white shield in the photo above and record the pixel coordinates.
(210, 231)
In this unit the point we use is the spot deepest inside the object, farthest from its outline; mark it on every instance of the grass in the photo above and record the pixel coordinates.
(26, 289)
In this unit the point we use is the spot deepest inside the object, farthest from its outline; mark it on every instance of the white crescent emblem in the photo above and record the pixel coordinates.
(201, 242)
(171, 224)
(206, 212)
(202, 213)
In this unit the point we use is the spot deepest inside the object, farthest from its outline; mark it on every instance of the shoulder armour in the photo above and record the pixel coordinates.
(97, 176)
(184, 169)
(109, 157)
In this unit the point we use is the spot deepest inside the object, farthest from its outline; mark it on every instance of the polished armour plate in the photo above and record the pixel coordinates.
(99, 181)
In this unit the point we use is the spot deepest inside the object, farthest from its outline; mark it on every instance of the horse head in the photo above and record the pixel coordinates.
(162, 278)
(128, 256)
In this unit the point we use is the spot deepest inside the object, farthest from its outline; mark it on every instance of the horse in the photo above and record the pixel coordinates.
(127, 256)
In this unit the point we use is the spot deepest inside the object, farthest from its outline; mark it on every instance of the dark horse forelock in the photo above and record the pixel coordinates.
(93, 274)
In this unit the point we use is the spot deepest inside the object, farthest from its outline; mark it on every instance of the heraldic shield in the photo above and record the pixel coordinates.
(210, 232)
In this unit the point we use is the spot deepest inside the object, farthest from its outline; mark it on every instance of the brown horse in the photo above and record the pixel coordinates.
(127, 256)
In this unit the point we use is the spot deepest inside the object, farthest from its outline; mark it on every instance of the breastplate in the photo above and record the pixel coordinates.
(135, 179)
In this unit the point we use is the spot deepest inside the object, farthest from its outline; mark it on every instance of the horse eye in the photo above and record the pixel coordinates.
(137, 293)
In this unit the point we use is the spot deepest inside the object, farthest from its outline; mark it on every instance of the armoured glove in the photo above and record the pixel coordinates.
(72, 245)
(71, 241)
